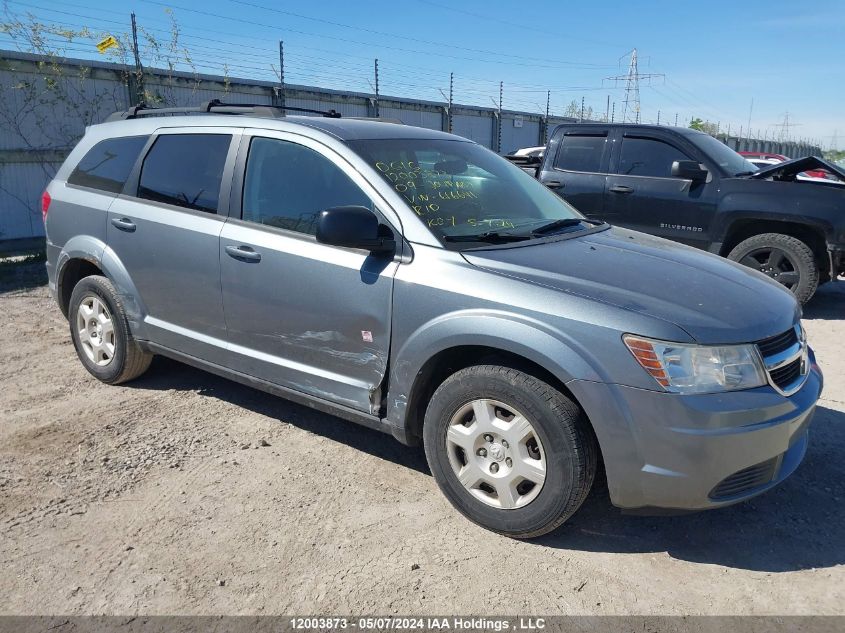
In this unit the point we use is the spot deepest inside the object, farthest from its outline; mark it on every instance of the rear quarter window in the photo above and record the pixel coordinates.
(106, 166)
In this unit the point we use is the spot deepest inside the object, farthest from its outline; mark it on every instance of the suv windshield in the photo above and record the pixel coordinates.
(463, 192)
(725, 157)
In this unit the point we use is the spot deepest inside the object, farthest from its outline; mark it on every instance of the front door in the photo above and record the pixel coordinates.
(643, 195)
(300, 314)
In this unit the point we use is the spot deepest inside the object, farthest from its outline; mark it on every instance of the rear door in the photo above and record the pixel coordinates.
(576, 168)
(165, 230)
(643, 195)
(300, 314)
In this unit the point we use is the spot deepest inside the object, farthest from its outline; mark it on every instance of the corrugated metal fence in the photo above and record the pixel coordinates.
(45, 105)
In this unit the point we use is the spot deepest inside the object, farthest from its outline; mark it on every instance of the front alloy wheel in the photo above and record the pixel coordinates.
(509, 450)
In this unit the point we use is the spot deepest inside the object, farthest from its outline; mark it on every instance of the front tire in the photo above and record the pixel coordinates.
(510, 452)
(784, 258)
(100, 333)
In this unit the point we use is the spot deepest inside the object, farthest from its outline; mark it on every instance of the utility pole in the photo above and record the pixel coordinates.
(750, 110)
(448, 100)
(451, 92)
(658, 117)
(376, 101)
(139, 71)
(546, 121)
(613, 112)
(676, 119)
(282, 75)
(499, 141)
(581, 118)
(631, 105)
(607, 110)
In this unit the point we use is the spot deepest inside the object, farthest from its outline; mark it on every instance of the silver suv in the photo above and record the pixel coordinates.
(417, 283)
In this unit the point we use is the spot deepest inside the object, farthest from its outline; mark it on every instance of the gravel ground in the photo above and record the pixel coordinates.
(183, 493)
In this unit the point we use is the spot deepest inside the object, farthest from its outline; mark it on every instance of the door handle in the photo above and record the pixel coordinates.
(124, 224)
(244, 253)
(554, 184)
(621, 189)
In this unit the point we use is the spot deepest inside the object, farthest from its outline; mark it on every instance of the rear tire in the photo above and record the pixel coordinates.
(510, 452)
(100, 332)
(784, 258)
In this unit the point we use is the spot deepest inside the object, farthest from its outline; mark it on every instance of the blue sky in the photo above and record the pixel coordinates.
(716, 56)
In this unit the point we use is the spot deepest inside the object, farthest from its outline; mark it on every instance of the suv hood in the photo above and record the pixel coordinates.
(711, 298)
(791, 168)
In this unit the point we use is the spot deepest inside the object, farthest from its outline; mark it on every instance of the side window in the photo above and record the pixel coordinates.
(648, 157)
(286, 185)
(185, 170)
(106, 166)
(580, 153)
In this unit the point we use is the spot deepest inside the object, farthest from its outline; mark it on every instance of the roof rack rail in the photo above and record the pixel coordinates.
(215, 106)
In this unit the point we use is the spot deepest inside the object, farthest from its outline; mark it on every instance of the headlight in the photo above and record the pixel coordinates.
(685, 368)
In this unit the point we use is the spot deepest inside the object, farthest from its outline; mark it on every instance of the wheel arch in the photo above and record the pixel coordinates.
(83, 256)
(427, 359)
(743, 228)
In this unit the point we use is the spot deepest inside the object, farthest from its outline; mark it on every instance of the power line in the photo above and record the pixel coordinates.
(378, 45)
(511, 24)
(404, 36)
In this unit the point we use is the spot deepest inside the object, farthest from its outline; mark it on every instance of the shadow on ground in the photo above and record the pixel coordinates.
(167, 374)
(22, 273)
(798, 525)
(828, 303)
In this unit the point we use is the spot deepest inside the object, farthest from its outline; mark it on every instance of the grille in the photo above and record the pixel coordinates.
(779, 343)
(745, 480)
(784, 348)
(784, 376)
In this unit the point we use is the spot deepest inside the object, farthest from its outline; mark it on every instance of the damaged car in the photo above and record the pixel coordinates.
(685, 185)
(416, 283)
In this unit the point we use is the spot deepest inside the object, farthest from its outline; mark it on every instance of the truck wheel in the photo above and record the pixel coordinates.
(784, 258)
(100, 333)
(510, 452)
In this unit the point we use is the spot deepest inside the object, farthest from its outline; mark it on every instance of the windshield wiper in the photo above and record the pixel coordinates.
(557, 224)
(488, 236)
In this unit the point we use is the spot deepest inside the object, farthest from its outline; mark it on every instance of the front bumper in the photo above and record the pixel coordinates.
(672, 451)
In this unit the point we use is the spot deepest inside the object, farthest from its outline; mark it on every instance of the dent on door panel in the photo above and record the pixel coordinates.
(308, 316)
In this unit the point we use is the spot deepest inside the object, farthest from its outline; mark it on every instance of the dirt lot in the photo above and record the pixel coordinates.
(159, 498)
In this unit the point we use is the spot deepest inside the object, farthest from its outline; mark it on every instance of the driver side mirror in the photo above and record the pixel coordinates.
(689, 170)
(353, 227)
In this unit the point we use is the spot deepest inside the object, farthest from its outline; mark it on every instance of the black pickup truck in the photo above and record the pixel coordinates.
(687, 186)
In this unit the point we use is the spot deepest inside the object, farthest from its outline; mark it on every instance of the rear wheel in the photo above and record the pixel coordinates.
(784, 258)
(509, 451)
(100, 332)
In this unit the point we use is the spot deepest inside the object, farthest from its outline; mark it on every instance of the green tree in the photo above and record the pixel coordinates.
(704, 126)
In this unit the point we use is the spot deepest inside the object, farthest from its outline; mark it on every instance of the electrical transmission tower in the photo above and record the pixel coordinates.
(631, 105)
(783, 136)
